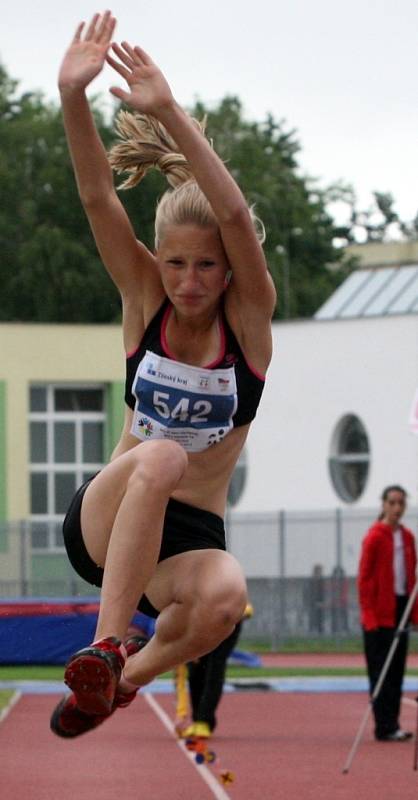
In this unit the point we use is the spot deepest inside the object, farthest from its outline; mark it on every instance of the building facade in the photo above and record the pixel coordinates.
(331, 432)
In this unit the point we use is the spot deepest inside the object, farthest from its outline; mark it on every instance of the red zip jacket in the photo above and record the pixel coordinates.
(376, 576)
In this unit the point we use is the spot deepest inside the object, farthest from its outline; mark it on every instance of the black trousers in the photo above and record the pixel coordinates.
(386, 707)
(206, 679)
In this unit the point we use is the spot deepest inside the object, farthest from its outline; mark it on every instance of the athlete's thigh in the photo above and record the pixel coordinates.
(195, 574)
(104, 495)
(101, 503)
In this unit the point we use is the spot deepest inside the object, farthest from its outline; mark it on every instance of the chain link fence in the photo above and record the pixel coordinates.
(301, 570)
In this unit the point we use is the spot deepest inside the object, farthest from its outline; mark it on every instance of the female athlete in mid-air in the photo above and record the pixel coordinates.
(197, 332)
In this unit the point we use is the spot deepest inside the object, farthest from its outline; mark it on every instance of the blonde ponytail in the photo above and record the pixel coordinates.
(146, 144)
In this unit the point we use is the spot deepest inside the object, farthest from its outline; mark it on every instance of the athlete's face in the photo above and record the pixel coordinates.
(394, 507)
(193, 267)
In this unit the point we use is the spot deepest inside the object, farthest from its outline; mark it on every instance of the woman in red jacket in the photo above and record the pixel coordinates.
(386, 579)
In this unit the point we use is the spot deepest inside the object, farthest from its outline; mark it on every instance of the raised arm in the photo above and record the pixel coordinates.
(149, 93)
(126, 259)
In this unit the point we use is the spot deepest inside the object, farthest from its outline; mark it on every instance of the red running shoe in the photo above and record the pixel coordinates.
(133, 644)
(68, 720)
(93, 674)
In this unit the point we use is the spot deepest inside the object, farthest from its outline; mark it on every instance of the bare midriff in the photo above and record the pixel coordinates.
(206, 480)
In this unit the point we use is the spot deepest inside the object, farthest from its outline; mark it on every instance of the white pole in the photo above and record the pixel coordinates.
(382, 676)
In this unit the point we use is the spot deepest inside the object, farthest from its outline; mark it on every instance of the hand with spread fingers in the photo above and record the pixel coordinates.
(148, 88)
(86, 55)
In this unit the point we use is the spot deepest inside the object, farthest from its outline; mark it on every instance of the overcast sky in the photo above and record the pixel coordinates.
(343, 74)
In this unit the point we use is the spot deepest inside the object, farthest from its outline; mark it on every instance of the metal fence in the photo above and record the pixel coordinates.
(301, 570)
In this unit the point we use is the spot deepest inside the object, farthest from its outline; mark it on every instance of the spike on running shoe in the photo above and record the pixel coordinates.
(93, 674)
(69, 721)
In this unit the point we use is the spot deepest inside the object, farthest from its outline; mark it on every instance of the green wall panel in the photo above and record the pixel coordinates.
(3, 468)
(53, 576)
(50, 567)
(115, 406)
(3, 452)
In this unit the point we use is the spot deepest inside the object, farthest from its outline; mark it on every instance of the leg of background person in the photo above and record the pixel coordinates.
(377, 645)
(213, 678)
(196, 671)
(396, 674)
(399, 660)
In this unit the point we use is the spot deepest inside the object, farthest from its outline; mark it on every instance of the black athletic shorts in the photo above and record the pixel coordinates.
(185, 528)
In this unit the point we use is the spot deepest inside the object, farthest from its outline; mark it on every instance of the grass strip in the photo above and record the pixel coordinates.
(52, 673)
(5, 697)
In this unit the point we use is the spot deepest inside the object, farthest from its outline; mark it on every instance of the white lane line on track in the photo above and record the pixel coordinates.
(12, 702)
(205, 773)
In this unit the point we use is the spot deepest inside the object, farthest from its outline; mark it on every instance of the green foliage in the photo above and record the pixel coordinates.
(5, 698)
(300, 233)
(50, 270)
(378, 223)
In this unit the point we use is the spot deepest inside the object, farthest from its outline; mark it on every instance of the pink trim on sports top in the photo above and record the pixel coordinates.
(255, 371)
(212, 365)
(165, 347)
(132, 352)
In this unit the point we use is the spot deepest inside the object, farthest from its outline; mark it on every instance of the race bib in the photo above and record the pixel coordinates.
(189, 405)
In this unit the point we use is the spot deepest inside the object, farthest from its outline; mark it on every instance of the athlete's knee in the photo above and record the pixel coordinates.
(219, 609)
(229, 609)
(157, 466)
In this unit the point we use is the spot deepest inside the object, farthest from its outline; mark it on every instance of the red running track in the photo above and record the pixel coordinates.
(286, 746)
(324, 660)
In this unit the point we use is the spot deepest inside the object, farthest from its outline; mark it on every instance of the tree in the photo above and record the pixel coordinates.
(300, 232)
(378, 223)
(50, 269)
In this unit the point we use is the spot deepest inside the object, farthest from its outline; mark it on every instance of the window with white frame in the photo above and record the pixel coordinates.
(66, 447)
(349, 460)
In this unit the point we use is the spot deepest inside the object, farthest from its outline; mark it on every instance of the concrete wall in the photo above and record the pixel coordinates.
(322, 370)
(47, 353)
(380, 254)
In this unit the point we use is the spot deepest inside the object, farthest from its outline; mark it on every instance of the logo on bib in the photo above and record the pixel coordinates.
(145, 426)
(214, 438)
